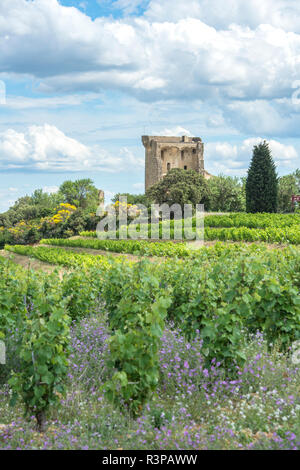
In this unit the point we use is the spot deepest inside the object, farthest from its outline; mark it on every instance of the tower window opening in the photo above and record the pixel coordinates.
(194, 150)
(168, 166)
(182, 154)
(185, 167)
(162, 154)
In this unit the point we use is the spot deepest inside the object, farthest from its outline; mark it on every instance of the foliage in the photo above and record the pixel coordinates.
(226, 194)
(65, 258)
(80, 193)
(135, 247)
(12, 288)
(31, 231)
(219, 292)
(27, 208)
(130, 210)
(270, 234)
(33, 307)
(262, 181)
(83, 289)
(271, 228)
(289, 185)
(136, 316)
(258, 220)
(133, 199)
(179, 187)
(221, 295)
(238, 291)
(48, 215)
(195, 408)
(44, 350)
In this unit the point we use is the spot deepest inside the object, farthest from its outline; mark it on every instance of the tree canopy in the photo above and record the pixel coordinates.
(179, 187)
(133, 199)
(226, 194)
(289, 185)
(80, 193)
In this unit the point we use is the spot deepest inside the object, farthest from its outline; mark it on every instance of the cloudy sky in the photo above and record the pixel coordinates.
(81, 81)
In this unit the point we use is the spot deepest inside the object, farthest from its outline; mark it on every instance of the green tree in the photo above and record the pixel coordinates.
(179, 187)
(226, 194)
(40, 204)
(80, 193)
(132, 198)
(262, 181)
(288, 186)
(297, 176)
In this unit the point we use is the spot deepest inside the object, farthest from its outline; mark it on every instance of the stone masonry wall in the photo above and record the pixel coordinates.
(164, 153)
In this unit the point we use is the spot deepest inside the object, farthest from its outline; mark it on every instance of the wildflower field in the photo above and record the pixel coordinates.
(195, 349)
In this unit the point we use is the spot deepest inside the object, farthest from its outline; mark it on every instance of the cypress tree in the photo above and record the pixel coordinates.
(262, 181)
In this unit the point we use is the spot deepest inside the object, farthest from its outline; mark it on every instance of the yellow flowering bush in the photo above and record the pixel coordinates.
(131, 209)
(33, 230)
(63, 213)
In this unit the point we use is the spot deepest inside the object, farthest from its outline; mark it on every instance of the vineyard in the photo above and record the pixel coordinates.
(178, 348)
(271, 228)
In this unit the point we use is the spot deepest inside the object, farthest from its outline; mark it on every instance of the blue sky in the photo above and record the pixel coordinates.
(85, 79)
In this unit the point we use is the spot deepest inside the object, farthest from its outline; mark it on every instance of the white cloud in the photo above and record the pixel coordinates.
(46, 148)
(234, 159)
(24, 102)
(174, 131)
(50, 189)
(277, 117)
(221, 14)
(184, 59)
(237, 60)
(279, 150)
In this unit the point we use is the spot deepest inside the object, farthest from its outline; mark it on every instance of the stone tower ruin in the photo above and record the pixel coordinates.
(165, 153)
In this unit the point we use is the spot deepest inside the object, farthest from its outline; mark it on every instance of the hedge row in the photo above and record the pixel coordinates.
(270, 234)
